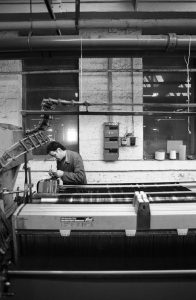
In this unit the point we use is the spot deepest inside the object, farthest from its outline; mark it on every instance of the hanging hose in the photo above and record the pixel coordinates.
(188, 82)
(5, 235)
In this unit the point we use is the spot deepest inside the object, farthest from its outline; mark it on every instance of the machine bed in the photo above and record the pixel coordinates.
(131, 211)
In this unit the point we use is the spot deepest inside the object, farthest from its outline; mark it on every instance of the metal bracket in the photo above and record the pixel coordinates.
(172, 41)
(142, 208)
(64, 232)
(182, 231)
(130, 232)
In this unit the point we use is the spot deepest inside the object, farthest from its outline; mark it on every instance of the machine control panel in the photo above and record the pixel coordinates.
(76, 222)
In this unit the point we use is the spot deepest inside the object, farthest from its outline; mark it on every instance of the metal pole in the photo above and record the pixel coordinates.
(102, 274)
(167, 24)
(112, 113)
(52, 15)
(86, 103)
(141, 43)
(25, 163)
(110, 87)
(170, 70)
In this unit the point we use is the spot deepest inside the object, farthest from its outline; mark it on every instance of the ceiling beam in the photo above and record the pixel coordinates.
(51, 13)
(77, 14)
(100, 6)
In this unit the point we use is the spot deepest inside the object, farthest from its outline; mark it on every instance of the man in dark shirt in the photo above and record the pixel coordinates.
(70, 166)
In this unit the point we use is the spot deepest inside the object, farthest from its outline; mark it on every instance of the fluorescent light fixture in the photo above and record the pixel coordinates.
(72, 135)
(155, 94)
(170, 95)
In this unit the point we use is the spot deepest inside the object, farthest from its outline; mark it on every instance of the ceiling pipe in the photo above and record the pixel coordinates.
(170, 42)
(170, 24)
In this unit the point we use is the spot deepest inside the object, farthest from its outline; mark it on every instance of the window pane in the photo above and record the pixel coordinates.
(57, 85)
(162, 87)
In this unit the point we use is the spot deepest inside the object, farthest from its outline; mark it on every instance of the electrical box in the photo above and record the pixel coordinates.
(111, 141)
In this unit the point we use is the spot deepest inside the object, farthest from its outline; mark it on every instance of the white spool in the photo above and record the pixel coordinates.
(172, 154)
(160, 155)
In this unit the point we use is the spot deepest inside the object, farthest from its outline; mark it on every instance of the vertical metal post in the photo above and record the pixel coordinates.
(25, 164)
(29, 183)
(132, 95)
(110, 86)
(15, 238)
(77, 14)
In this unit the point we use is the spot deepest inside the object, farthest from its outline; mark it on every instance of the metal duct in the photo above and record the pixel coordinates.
(170, 24)
(141, 43)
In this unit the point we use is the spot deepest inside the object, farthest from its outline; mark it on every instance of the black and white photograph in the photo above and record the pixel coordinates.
(97, 149)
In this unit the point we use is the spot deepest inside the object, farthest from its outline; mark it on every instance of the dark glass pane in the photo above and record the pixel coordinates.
(50, 64)
(39, 86)
(167, 88)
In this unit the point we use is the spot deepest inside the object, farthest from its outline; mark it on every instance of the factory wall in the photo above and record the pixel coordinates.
(124, 86)
(10, 121)
(10, 102)
(99, 85)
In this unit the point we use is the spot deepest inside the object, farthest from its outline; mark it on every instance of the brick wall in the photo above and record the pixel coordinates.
(120, 86)
(10, 92)
(94, 87)
(10, 120)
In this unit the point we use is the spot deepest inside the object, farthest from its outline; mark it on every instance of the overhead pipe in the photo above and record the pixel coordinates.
(170, 24)
(103, 274)
(162, 43)
(111, 113)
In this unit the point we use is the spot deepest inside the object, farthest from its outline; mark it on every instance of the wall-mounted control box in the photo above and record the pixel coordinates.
(111, 141)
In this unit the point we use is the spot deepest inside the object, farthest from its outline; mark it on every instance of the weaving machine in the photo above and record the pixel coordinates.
(103, 230)
(132, 209)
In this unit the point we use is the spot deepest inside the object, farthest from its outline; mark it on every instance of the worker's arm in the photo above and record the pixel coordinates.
(78, 176)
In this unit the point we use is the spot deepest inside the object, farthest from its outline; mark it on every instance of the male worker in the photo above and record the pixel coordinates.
(70, 166)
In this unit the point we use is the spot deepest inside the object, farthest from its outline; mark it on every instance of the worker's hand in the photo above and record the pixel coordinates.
(59, 173)
(56, 174)
(51, 173)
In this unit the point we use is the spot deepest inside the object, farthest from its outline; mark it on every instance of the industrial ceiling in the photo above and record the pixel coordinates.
(41, 25)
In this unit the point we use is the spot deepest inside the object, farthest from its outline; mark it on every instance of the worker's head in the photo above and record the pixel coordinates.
(56, 149)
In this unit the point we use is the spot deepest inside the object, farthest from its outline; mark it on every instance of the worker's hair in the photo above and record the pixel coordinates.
(53, 146)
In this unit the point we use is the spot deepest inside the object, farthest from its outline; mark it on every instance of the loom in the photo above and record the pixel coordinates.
(122, 220)
(106, 231)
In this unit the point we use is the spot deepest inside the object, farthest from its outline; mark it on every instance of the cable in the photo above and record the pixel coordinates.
(81, 95)
(187, 61)
(132, 96)
(31, 27)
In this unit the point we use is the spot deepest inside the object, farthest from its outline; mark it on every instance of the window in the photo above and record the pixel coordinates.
(57, 79)
(167, 87)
